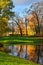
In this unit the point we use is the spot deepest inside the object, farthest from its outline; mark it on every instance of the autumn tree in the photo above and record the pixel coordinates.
(34, 11)
(37, 27)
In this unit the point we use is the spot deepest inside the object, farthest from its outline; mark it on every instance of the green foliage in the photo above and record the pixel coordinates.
(6, 11)
(5, 14)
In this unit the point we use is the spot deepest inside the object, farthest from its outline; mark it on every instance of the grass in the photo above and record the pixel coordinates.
(10, 40)
(6, 59)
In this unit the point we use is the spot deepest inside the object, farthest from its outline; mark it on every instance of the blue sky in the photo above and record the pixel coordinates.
(20, 9)
(20, 5)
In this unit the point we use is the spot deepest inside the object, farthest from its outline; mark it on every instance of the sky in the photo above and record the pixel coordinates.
(20, 5)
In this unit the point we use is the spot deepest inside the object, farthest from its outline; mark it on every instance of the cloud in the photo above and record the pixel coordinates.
(19, 2)
(24, 2)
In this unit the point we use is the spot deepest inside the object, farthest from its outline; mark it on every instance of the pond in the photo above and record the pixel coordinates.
(31, 52)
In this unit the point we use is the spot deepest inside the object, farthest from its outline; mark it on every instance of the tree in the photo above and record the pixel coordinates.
(3, 26)
(26, 22)
(37, 28)
(16, 20)
(5, 14)
(34, 11)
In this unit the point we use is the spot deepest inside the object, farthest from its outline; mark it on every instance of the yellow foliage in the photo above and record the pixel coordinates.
(4, 19)
(30, 31)
(3, 4)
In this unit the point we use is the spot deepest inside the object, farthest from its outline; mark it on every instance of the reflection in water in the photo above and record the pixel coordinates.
(26, 51)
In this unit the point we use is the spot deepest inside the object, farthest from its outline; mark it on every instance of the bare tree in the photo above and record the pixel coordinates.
(17, 22)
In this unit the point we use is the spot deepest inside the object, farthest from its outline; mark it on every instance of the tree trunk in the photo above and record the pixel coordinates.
(26, 26)
(19, 29)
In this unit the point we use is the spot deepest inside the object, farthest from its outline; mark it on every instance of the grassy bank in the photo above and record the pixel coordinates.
(6, 59)
(20, 40)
